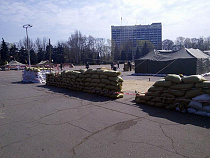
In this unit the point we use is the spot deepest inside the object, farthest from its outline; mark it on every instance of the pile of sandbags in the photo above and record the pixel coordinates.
(200, 105)
(35, 75)
(174, 91)
(97, 81)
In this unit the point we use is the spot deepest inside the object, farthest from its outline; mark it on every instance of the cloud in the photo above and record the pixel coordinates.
(58, 19)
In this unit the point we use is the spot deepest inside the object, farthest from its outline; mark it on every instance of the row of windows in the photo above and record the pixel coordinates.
(124, 30)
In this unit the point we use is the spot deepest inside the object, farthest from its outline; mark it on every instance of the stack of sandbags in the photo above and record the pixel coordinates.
(35, 75)
(50, 79)
(174, 91)
(99, 81)
(200, 105)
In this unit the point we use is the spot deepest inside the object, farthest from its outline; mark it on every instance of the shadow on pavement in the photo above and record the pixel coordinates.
(78, 94)
(21, 82)
(176, 116)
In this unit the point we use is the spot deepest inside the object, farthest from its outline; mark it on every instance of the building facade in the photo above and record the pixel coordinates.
(132, 34)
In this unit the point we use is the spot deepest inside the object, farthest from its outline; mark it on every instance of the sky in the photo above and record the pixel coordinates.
(58, 19)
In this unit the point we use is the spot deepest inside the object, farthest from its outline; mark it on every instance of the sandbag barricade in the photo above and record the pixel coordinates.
(98, 81)
(200, 105)
(35, 75)
(174, 92)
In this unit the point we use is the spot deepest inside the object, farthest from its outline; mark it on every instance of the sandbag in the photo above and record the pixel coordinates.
(116, 79)
(76, 73)
(88, 79)
(86, 84)
(96, 80)
(95, 76)
(191, 110)
(87, 76)
(203, 97)
(195, 105)
(73, 77)
(155, 94)
(170, 107)
(206, 108)
(82, 70)
(115, 83)
(201, 113)
(140, 101)
(156, 100)
(182, 86)
(177, 93)
(93, 72)
(203, 84)
(150, 103)
(167, 95)
(207, 91)
(116, 96)
(106, 81)
(193, 79)
(174, 78)
(88, 71)
(160, 105)
(113, 87)
(112, 73)
(100, 71)
(163, 83)
(104, 76)
(168, 100)
(144, 97)
(154, 89)
(193, 93)
(102, 85)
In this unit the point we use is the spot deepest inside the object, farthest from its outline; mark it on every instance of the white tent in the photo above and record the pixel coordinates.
(15, 65)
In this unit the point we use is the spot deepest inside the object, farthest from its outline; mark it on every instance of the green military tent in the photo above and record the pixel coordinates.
(185, 61)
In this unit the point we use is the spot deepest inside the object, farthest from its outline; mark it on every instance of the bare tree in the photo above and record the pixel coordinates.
(187, 43)
(167, 44)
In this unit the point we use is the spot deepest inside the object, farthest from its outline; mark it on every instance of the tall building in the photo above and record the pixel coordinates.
(124, 34)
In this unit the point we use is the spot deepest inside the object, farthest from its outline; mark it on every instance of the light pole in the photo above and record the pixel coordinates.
(26, 26)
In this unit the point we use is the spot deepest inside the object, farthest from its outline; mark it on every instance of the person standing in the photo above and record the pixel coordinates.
(129, 64)
(118, 64)
(61, 66)
(87, 66)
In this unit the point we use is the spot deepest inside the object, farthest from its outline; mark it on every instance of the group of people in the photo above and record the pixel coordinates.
(113, 67)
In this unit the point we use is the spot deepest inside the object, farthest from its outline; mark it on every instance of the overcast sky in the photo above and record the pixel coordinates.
(57, 19)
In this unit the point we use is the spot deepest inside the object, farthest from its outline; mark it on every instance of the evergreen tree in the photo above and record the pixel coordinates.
(13, 51)
(23, 55)
(138, 55)
(58, 54)
(48, 49)
(40, 55)
(116, 53)
(33, 57)
(145, 50)
(123, 55)
(4, 52)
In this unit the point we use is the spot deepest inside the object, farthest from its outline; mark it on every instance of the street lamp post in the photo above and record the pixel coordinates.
(26, 26)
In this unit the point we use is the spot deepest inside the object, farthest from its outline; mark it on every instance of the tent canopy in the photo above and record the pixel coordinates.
(15, 63)
(185, 61)
(184, 53)
(44, 62)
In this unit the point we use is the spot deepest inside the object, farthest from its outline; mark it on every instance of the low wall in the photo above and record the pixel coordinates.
(98, 81)
(176, 92)
(35, 75)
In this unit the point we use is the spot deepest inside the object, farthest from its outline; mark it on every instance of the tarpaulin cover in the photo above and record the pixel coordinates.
(185, 61)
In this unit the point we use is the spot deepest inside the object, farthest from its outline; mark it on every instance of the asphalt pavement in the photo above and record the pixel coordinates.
(43, 121)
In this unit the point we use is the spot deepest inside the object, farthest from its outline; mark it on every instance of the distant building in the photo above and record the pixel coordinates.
(122, 34)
